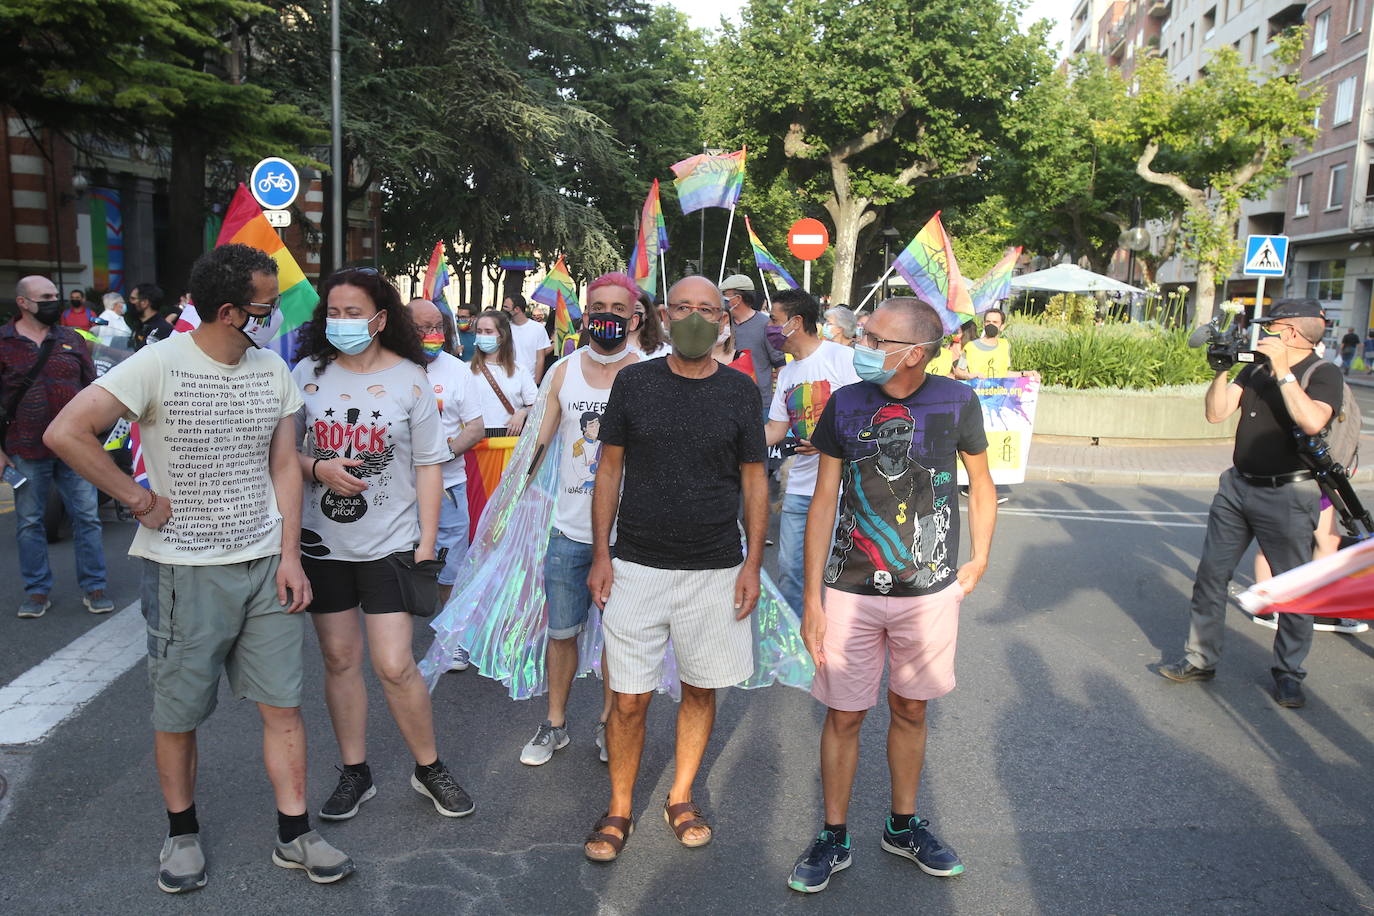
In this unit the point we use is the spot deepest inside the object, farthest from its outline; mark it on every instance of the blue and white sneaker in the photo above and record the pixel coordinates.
(811, 874)
(919, 845)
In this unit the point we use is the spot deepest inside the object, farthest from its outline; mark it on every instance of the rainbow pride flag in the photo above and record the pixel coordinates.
(805, 404)
(436, 275)
(928, 265)
(766, 261)
(995, 285)
(563, 330)
(650, 243)
(244, 224)
(557, 283)
(709, 181)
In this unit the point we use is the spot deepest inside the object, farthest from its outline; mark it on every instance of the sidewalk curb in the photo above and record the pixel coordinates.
(1137, 477)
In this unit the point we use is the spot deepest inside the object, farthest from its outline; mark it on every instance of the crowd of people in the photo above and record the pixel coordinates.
(338, 488)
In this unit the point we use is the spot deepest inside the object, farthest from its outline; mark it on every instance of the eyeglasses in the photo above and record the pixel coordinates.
(430, 329)
(679, 310)
(878, 342)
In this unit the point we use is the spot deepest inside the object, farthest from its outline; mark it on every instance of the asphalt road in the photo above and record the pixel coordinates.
(1070, 777)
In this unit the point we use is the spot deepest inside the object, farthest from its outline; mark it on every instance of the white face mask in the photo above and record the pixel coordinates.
(262, 330)
(724, 335)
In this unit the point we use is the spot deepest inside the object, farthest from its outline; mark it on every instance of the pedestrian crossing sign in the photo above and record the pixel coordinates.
(1266, 255)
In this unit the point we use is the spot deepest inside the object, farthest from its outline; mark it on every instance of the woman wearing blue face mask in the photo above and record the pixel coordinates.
(373, 447)
(507, 388)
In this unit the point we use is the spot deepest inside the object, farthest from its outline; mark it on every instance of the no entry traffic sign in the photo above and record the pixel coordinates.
(807, 239)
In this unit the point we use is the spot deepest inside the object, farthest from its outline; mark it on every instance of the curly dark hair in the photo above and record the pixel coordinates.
(225, 275)
(399, 335)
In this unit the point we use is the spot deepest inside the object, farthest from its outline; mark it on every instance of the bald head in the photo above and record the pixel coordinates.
(425, 314)
(694, 290)
(35, 287)
(916, 318)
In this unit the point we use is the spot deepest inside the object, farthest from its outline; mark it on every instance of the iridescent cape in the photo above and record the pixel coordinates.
(497, 609)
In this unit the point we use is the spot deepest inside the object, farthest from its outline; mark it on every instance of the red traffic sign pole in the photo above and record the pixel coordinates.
(807, 240)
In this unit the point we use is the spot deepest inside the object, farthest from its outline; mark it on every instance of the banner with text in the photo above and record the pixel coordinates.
(1008, 417)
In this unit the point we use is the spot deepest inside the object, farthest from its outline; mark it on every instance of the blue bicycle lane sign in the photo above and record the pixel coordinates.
(274, 183)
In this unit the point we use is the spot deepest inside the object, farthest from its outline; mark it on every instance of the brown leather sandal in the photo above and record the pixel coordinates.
(624, 824)
(672, 812)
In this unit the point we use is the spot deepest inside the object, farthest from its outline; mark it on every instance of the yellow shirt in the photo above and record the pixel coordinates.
(989, 358)
(941, 364)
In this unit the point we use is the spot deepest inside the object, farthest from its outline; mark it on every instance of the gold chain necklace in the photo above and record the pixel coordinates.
(901, 503)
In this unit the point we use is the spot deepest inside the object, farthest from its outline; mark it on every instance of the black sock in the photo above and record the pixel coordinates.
(422, 770)
(901, 822)
(290, 826)
(180, 823)
(840, 831)
(359, 768)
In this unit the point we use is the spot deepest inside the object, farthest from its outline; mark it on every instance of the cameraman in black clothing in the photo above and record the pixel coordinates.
(1270, 494)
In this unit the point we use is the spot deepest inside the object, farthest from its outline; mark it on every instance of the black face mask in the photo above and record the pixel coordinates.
(991, 330)
(607, 329)
(49, 311)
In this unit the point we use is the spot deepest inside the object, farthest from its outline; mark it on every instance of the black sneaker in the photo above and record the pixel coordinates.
(439, 787)
(811, 874)
(353, 789)
(918, 844)
(1184, 670)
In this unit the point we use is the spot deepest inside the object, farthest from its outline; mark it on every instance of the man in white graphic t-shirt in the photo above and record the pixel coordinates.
(576, 399)
(818, 368)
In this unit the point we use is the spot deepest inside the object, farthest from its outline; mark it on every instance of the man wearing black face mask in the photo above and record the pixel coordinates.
(43, 366)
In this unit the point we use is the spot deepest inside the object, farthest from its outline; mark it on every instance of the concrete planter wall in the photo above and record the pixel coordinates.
(1166, 416)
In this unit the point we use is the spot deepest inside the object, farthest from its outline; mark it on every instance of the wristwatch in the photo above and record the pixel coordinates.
(1285, 379)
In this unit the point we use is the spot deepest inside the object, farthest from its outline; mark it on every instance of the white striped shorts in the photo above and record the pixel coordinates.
(695, 607)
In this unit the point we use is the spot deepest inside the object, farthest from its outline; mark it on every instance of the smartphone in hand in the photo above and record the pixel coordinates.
(13, 477)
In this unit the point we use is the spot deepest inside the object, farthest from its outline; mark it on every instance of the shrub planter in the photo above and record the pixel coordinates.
(1172, 414)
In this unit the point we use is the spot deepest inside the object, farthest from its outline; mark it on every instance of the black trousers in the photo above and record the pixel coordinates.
(1283, 520)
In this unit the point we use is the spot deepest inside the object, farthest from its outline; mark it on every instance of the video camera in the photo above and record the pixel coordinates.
(1227, 343)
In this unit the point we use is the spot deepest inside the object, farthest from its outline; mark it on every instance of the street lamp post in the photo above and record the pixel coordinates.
(336, 151)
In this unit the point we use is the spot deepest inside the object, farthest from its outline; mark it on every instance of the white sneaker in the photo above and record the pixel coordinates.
(1342, 625)
(1271, 621)
(601, 742)
(460, 660)
(546, 740)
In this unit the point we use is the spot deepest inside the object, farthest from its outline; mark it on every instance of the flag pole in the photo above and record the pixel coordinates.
(725, 255)
(764, 283)
(663, 270)
(876, 286)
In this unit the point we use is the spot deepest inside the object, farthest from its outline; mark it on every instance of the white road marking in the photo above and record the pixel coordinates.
(49, 693)
(1107, 511)
(1064, 516)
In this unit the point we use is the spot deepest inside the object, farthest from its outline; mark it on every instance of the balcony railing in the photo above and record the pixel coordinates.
(1159, 9)
(1362, 214)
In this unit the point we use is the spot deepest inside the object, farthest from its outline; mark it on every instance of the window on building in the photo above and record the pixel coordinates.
(1335, 192)
(1344, 109)
(1320, 27)
(1369, 183)
(1326, 280)
(1209, 23)
(1254, 45)
(1303, 196)
(1317, 117)
(1352, 17)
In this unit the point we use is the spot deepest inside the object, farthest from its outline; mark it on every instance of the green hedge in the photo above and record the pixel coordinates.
(1107, 356)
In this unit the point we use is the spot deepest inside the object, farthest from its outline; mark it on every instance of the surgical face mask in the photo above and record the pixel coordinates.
(607, 329)
(432, 345)
(693, 336)
(260, 329)
(488, 343)
(49, 311)
(350, 335)
(776, 335)
(825, 332)
(724, 335)
(868, 363)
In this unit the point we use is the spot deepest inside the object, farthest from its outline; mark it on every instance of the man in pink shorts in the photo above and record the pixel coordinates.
(889, 583)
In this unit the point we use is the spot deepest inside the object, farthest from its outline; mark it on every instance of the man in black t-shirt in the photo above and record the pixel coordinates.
(1350, 345)
(684, 435)
(1270, 494)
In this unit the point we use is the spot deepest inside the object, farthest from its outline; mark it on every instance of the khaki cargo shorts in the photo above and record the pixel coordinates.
(204, 619)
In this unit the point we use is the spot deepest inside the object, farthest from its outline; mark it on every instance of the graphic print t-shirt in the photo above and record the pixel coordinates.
(989, 357)
(206, 431)
(389, 421)
(804, 388)
(579, 431)
(898, 527)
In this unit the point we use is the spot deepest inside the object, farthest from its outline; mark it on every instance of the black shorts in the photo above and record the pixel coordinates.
(391, 585)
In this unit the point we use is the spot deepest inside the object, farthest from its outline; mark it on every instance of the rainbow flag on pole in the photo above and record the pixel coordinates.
(650, 244)
(563, 330)
(709, 181)
(928, 265)
(765, 261)
(557, 283)
(995, 285)
(244, 224)
(436, 275)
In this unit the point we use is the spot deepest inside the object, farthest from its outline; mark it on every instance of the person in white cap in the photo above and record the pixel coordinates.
(751, 332)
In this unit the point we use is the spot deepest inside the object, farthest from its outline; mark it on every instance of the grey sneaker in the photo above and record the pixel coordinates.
(181, 867)
(460, 660)
(97, 603)
(34, 606)
(321, 862)
(601, 742)
(546, 740)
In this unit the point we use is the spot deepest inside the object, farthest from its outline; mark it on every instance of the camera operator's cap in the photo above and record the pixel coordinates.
(736, 281)
(1293, 308)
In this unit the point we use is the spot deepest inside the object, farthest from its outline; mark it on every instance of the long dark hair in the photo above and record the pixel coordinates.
(650, 329)
(505, 353)
(399, 335)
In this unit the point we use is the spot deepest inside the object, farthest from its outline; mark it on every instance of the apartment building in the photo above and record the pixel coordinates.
(1330, 194)
(1129, 32)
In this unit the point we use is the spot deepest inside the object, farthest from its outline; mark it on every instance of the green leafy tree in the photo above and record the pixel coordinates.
(166, 71)
(1216, 141)
(862, 103)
